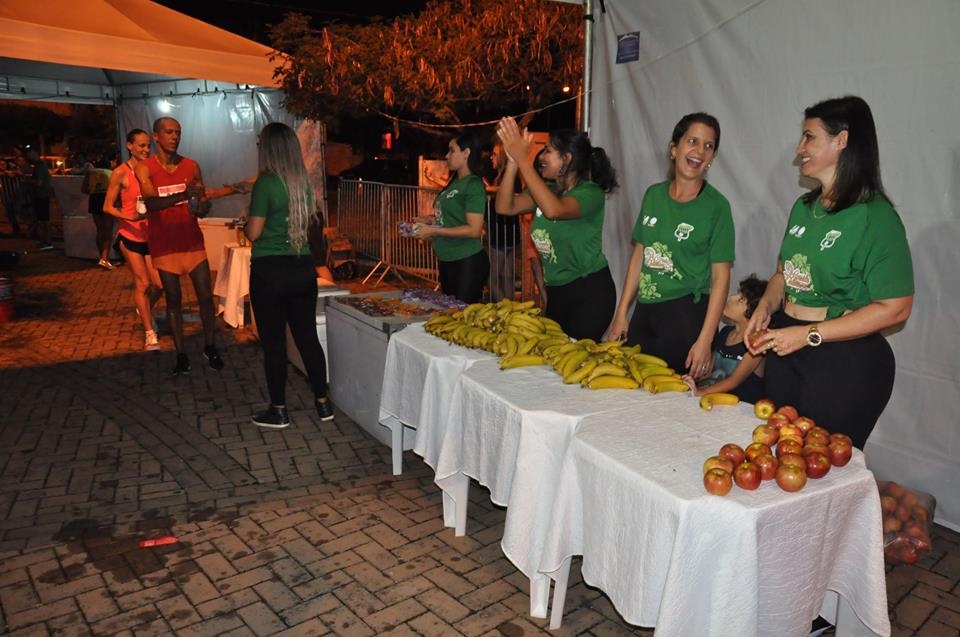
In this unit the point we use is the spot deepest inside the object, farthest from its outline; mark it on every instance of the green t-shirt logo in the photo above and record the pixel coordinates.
(796, 274)
(683, 231)
(649, 221)
(797, 231)
(541, 241)
(829, 239)
(658, 257)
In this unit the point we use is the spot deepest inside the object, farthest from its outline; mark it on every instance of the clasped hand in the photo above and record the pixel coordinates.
(516, 143)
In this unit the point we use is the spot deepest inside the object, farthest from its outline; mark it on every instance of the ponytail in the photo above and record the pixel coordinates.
(602, 172)
(587, 161)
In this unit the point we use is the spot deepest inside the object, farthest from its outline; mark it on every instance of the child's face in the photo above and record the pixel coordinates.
(735, 310)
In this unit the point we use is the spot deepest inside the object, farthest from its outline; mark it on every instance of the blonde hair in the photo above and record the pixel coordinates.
(280, 155)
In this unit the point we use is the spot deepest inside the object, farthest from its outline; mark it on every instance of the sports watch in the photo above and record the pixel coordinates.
(814, 337)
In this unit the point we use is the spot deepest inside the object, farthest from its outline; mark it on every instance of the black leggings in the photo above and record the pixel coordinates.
(584, 307)
(464, 278)
(843, 385)
(283, 290)
(102, 221)
(668, 329)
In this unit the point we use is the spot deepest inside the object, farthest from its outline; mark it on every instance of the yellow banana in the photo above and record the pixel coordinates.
(572, 361)
(526, 305)
(670, 385)
(649, 359)
(606, 369)
(579, 373)
(650, 381)
(521, 360)
(586, 342)
(603, 347)
(550, 323)
(612, 382)
(634, 368)
(708, 401)
(654, 370)
(527, 345)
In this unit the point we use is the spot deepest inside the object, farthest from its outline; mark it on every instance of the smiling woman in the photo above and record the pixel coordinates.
(683, 251)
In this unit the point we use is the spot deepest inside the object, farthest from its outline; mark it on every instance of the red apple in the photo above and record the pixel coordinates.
(821, 430)
(790, 477)
(794, 459)
(909, 499)
(891, 524)
(904, 513)
(818, 464)
(718, 462)
(778, 420)
(840, 453)
(809, 448)
(794, 438)
(732, 451)
(791, 430)
(788, 446)
(919, 513)
(789, 411)
(717, 482)
(766, 434)
(764, 408)
(804, 424)
(767, 465)
(817, 437)
(747, 476)
(755, 449)
(888, 505)
(841, 437)
(894, 490)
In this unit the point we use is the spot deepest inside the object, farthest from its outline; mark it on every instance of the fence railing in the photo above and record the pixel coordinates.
(369, 214)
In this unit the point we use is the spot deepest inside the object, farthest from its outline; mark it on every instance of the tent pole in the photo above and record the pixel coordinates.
(587, 63)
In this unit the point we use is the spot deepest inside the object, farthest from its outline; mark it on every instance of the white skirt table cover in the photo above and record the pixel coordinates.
(233, 282)
(752, 563)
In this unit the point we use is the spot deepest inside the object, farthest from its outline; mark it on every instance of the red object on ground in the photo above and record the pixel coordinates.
(6, 300)
(158, 541)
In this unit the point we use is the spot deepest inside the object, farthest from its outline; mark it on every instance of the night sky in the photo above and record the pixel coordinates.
(253, 18)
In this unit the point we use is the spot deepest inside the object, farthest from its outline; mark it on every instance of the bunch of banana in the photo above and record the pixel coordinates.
(709, 400)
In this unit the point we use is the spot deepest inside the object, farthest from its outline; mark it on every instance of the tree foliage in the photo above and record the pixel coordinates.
(451, 62)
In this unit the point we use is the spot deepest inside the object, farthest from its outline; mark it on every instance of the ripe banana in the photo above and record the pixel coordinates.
(571, 361)
(670, 385)
(612, 382)
(708, 401)
(521, 360)
(606, 369)
(579, 373)
(654, 370)
(528, 345)
(652, 381)
(649, 359)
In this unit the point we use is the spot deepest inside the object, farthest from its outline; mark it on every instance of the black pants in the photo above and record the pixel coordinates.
(283, 290)
(843, 386)
(668, 329)
(464, 279)
(584, 307)
(101, 220)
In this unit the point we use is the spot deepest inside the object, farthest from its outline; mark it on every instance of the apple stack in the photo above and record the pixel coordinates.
(803, 450)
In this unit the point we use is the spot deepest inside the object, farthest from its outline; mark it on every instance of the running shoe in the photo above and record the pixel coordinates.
(272, 418)
(151, 342)
(46, 246)
(103, 263)
(213, 357)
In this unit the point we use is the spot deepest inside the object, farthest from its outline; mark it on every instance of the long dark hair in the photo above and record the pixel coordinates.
(469, 140)
(587, 161)
(858, 167)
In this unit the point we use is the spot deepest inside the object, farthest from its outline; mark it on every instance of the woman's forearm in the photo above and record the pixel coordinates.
(871, 318)
(630, 283)
(719, 287)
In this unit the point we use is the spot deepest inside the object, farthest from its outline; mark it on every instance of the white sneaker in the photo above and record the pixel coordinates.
(151, 342)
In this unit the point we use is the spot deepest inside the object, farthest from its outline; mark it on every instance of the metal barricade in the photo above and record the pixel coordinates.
(369, 214)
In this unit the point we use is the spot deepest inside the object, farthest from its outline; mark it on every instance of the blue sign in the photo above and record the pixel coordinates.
(628, 47)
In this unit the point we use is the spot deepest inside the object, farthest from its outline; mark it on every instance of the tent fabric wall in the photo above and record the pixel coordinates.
(756, 64)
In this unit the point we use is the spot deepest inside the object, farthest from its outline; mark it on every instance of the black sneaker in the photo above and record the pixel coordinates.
(324, 409)
(213, 357)
(819, 627)
(183, 365)
(272, 418)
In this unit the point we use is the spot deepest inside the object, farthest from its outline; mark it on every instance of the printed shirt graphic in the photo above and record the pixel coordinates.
(573, 248)
(463, 195)
(680, 242)
(845, 260)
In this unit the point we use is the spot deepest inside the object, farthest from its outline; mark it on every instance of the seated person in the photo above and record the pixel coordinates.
(735, 369)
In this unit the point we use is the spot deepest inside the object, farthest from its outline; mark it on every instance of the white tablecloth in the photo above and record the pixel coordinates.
(419, 377)
(233, 282)
(631, 501)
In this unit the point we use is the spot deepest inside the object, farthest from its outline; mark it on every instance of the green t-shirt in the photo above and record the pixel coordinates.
(681, 241)
(269, 199)
(845, 260)
(464, 195)
(571, 249)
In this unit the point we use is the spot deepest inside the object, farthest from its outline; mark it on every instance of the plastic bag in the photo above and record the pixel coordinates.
(907, 516)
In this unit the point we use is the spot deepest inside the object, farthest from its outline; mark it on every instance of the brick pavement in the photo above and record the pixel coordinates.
(302, 531)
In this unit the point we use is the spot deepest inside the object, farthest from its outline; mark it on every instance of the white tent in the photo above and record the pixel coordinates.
(148, 61)
(756, 64)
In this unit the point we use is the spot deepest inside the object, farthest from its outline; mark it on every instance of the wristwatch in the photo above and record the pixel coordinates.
(814, 337)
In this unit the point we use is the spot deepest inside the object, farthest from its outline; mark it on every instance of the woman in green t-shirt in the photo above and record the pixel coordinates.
(844, 275)
(567, 223)
(679, 272)
(283, 280)
(460, 209)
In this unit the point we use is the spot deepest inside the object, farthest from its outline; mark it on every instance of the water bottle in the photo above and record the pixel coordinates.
(141, 207)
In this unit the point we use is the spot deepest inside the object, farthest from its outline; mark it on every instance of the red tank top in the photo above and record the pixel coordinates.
(175, 229)
(133, 230)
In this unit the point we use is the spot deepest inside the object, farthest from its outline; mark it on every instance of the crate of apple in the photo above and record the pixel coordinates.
(787, 448)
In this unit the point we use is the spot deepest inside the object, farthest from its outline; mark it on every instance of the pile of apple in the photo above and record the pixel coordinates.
(803, 450)
(906, 523)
